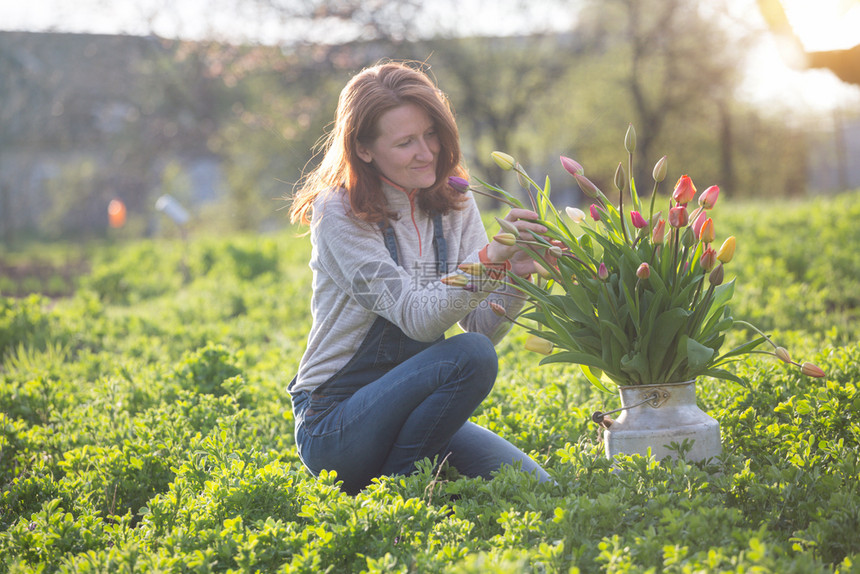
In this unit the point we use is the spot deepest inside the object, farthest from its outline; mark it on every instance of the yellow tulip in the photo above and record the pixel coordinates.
(727, 250)
(538, 345)
(473, 269)
(503, 160)
(455, 280)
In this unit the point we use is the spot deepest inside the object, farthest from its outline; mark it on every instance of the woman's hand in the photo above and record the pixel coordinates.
(521, 262)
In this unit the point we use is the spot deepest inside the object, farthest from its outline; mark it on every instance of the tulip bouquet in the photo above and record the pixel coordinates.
(632, 294)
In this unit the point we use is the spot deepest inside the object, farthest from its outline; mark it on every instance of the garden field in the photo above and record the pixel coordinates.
(145, 427)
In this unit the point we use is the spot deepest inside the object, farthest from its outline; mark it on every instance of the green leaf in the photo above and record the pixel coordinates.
(574, 357)
(698, 355)
(594, 377)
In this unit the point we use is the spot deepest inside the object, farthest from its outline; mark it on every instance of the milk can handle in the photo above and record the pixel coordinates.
(597, 416)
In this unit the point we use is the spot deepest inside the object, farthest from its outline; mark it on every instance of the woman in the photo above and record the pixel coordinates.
(379, 387)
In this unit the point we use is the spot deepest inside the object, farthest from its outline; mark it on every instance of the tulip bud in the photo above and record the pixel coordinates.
(684, 190)
(542, 271)
(619, 177)
(503, 160)
(782, 354)
(659, 232)
(637, 220)
(689, 238)
(555, 251)
(474, 269)
(644, 271)
(538, 345)
(659, 173)
(575, 214)
(586, 185)
(678, 216)
(595, 214)
(570, 166)
(630, 139)
(602, 272)
(811, 370)
(458, 184)
(708, 259)
(508, 227)
(455, 280)
(706, 235)
(727, 251)
(498, 309)
(522, 178)
(716, 276)
(709, 197)
(505, 238)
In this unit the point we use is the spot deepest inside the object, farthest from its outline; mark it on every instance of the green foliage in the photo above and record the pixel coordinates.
(147, 428)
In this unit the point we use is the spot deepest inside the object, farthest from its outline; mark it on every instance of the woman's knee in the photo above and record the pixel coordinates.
(478, 355)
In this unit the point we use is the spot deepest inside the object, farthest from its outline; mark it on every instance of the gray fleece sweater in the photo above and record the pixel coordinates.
(355, 280)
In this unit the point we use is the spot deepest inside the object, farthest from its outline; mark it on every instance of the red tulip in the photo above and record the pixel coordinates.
(678, 216)
(684, 190)
(708, 259)
(811, 370)
(637, 220)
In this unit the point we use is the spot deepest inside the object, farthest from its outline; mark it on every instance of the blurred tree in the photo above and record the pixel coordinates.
(23, 87)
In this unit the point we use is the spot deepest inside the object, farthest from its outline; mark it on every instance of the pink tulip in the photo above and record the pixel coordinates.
(709, 197)
(644, 271)
(595, 215)
(637, 220)
(586, 185)
(659, 232)
(602, 272)
(697, 224)
(570, 166)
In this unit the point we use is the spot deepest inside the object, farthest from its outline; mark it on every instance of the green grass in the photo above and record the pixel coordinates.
(146, 426)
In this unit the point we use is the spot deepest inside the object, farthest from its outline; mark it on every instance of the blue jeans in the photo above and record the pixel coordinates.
(399, 401)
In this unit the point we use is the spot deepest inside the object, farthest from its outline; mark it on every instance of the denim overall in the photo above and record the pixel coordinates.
(399, 400)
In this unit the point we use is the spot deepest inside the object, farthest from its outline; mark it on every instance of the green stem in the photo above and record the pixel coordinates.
(653, 197)
(757, 330)
(492, 196)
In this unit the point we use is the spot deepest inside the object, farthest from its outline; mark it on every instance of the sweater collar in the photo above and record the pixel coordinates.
(397, 197)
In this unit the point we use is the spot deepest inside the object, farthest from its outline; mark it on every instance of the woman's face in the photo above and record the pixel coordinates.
(406, 150)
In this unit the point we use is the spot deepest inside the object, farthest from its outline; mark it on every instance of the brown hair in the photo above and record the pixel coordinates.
(367, 96)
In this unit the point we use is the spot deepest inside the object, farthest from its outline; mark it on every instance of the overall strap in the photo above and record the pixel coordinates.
(390, 240)
(440, 245)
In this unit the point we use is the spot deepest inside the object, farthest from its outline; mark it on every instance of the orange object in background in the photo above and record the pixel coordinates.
(116, 213)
